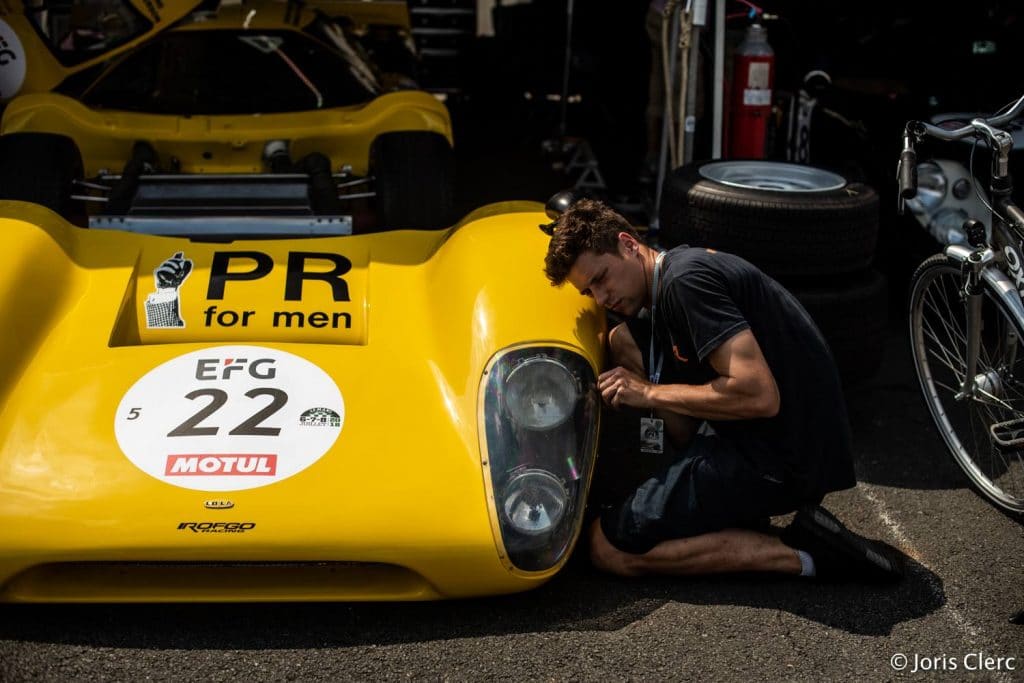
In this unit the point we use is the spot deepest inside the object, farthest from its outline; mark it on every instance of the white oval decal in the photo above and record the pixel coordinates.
(229, 418)
(12, 62)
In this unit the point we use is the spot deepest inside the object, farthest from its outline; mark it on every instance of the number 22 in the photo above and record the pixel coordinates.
(218, 397)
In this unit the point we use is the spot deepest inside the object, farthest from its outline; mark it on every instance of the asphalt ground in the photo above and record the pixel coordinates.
(948, 620)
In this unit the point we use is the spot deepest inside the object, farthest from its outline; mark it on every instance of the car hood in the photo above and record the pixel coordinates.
(144, 378)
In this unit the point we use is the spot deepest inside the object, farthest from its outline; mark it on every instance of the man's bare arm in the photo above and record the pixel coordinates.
(745, 387)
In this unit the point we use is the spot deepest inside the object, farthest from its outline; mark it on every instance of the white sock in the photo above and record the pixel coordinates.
(806, 564)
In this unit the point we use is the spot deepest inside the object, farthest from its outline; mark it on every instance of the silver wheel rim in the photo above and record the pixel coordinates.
(937, 329)
(773, 176)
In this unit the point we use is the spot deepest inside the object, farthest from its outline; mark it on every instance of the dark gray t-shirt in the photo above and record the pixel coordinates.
(706, 297)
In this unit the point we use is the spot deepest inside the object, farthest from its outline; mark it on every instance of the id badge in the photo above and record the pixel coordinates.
(652, 435)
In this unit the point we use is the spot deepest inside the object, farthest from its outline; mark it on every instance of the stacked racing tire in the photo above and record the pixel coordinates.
(809, 228)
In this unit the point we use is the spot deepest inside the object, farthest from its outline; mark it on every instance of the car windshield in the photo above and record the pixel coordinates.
(221, 71)
(79, 30)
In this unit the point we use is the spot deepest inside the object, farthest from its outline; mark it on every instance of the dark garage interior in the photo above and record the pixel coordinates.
(884, 65)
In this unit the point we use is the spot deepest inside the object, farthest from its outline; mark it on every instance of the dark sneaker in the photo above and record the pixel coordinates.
(838, 552)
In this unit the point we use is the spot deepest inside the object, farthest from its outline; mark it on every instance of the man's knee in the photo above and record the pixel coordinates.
(608, 558)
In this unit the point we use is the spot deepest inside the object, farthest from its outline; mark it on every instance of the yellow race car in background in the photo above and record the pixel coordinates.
(211, 391)
(274, 97)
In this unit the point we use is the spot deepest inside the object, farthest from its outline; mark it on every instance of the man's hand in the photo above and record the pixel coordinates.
(621, 387)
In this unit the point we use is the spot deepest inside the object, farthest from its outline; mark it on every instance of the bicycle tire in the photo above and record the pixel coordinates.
(938, 345)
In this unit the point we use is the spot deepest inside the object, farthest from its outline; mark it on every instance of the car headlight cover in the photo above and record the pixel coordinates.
(540, 393)
(539, 414)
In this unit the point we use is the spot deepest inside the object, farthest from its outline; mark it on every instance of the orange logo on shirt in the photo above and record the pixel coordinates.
(675, 352)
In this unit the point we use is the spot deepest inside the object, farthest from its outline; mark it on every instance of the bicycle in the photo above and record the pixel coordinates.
(967, 322)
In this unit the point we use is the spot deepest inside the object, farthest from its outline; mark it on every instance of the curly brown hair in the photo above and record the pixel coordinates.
(588, 225)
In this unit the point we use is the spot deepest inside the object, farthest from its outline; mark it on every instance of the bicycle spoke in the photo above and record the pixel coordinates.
(952, 292)
(961, 363)
(944, 359)
(948, 322)
(991, 454)
(1017, 395)
(952, 390)
(953, 332)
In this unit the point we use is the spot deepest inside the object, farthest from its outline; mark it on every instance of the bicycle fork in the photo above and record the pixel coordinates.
(973, 291)
(986, 387)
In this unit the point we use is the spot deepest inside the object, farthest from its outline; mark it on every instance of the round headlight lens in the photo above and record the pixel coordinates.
(540, 394)
(931, 187)
(535, 502)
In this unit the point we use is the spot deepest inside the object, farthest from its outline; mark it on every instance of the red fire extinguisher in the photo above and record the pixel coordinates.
(753, 77)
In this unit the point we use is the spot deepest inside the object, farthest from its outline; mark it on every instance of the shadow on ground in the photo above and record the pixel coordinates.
(578, 599)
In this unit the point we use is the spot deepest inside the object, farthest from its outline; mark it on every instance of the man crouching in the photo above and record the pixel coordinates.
(728, 368)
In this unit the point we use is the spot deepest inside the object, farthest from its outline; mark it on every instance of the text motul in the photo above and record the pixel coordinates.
(185, 465)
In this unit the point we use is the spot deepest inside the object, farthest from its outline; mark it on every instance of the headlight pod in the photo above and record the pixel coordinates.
(931, 188)
(540, 393)
(947, 197)
(538, 418)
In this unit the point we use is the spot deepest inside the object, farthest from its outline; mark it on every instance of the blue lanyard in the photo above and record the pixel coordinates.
(655, 367)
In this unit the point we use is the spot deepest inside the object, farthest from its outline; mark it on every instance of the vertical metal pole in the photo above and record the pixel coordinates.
(565, 70)
(666, 120)
(700, 15)
(690, 123)
(716, 133)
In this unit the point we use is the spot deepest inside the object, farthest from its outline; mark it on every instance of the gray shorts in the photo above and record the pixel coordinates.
(712, 486)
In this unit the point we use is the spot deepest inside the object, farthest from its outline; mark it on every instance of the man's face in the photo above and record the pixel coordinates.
(616, 281)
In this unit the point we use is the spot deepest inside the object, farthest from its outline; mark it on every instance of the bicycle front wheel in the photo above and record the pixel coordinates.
(984, 432)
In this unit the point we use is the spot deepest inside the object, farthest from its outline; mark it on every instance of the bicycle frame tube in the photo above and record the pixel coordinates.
(974, 294)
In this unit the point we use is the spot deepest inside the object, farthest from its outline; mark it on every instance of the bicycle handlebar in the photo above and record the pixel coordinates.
(920, 128)
(915, 130)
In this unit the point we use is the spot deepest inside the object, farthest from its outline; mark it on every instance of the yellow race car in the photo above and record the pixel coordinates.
(212, 394)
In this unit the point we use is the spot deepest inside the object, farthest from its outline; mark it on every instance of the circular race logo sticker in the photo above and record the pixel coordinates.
(229, 418)
(12, 62)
